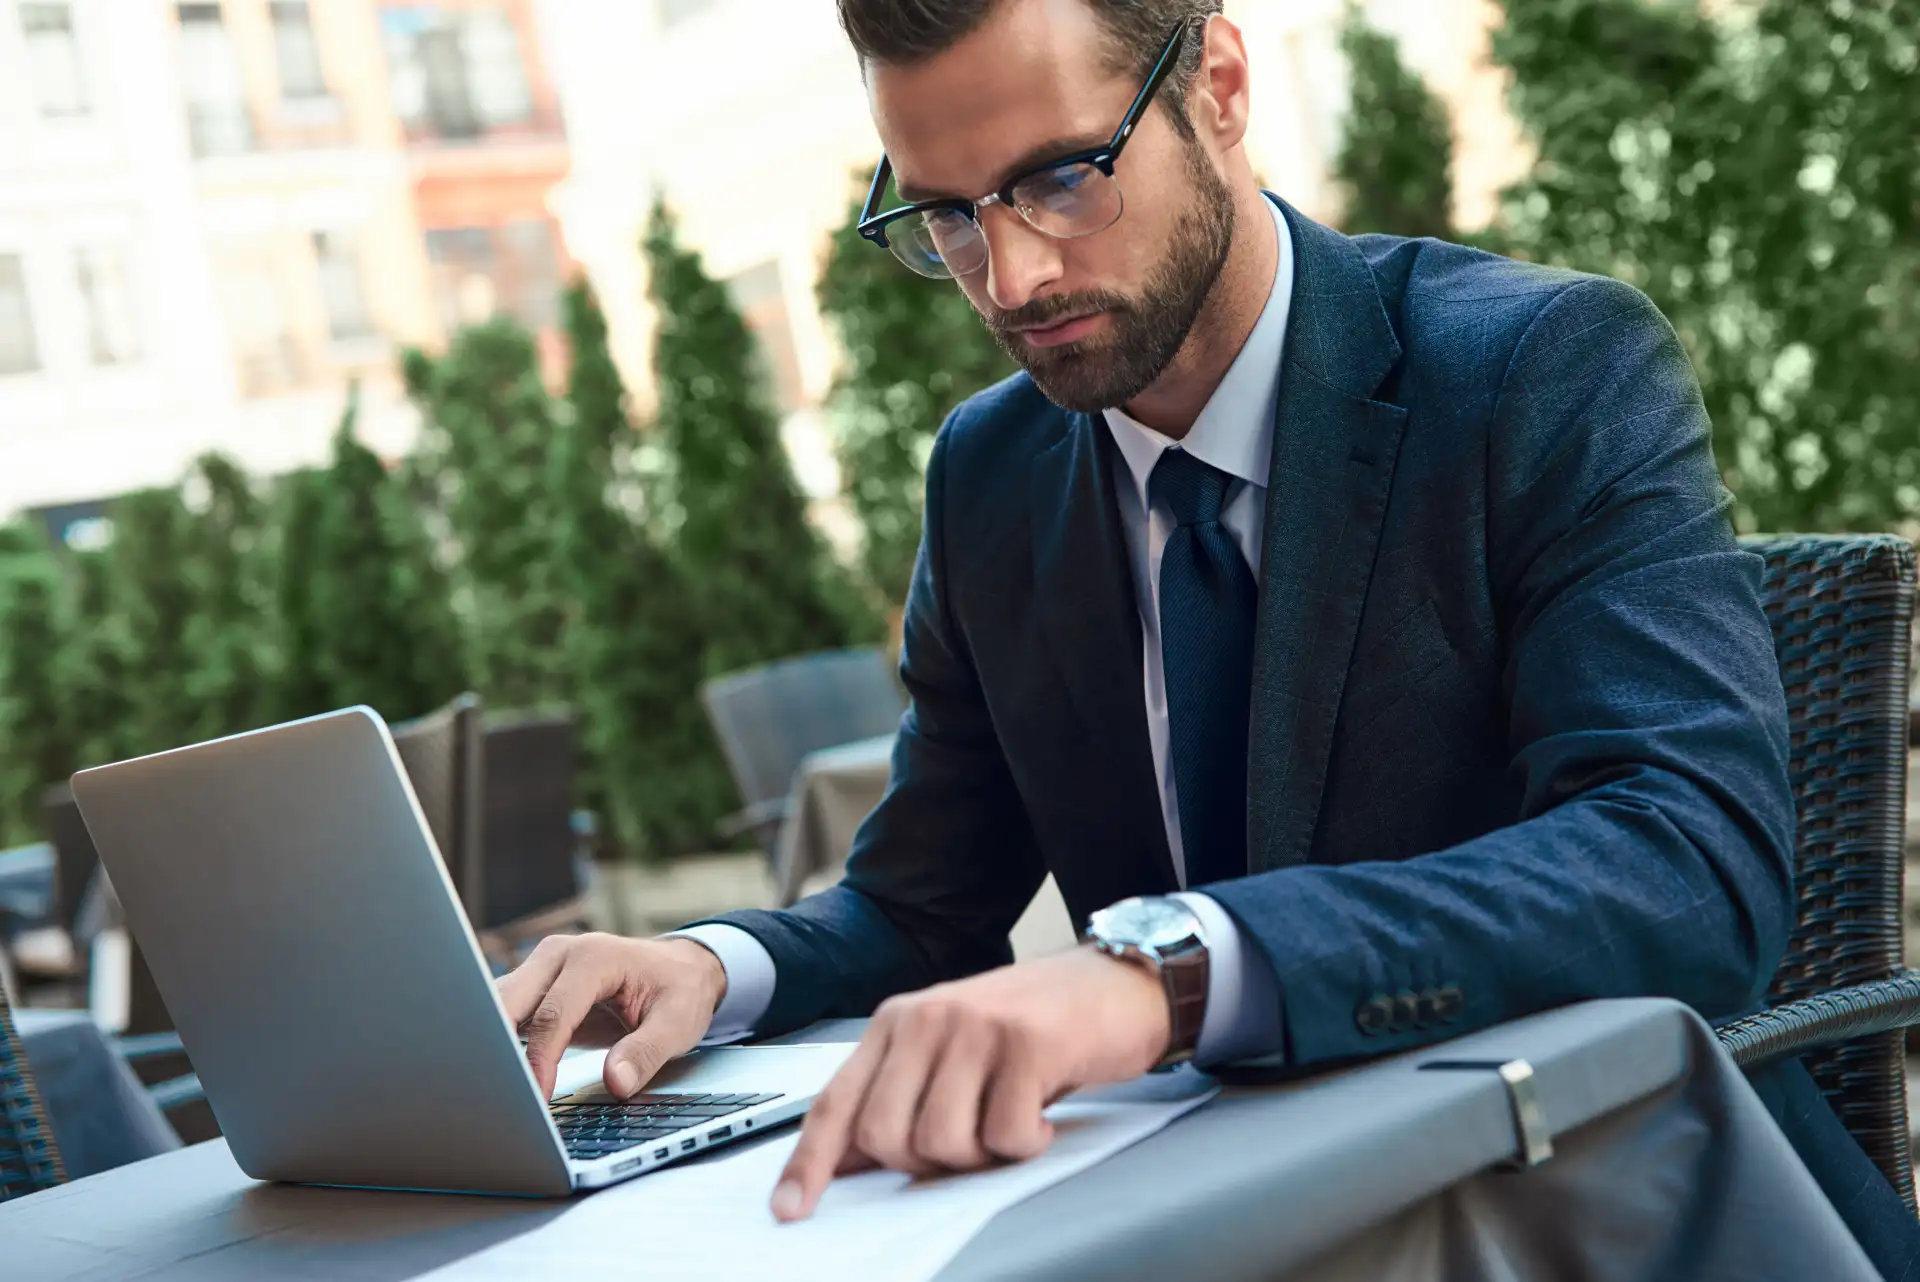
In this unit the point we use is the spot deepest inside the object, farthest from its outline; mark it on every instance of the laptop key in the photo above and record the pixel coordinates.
(707, 1110)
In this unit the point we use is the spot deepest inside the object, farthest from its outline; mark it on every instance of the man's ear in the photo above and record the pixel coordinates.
(1219, 103)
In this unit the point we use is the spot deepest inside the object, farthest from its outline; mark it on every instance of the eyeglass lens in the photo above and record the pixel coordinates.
(1065, 202)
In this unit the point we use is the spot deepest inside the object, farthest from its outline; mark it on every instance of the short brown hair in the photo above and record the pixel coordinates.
(903, 32)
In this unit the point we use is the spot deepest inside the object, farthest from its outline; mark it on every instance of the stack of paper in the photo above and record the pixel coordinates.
(710, 1219)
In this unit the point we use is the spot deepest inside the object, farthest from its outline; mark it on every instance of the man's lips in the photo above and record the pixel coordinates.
(1065, 331)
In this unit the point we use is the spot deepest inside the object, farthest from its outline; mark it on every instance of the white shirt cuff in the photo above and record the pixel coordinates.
(749, 968)
(1243, 1018)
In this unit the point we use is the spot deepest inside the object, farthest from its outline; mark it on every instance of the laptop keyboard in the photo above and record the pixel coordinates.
(597, 1129)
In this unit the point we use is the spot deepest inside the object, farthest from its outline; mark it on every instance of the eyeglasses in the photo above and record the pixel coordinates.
(1067, 198)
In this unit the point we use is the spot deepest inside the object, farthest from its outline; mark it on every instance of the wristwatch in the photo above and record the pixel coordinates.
(1162, 933)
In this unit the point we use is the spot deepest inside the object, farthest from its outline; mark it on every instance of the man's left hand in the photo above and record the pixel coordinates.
(955, 1077)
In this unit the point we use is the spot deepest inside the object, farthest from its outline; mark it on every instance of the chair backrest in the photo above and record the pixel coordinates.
(528, 763)
(1841, 609)
(74, 857)
(29, 1159)
(441, 752)
(768, 718)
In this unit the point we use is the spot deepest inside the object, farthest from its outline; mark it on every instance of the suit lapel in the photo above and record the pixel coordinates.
(1334, 449)
(1084, 591)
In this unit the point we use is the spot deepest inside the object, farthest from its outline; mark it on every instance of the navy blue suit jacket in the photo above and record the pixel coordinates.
(1517, 736)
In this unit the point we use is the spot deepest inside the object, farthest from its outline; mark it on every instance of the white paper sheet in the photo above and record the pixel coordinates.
(709, 1220)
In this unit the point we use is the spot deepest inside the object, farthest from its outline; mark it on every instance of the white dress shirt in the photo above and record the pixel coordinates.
(1234, 433)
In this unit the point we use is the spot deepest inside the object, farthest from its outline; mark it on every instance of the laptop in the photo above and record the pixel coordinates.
(306, 937)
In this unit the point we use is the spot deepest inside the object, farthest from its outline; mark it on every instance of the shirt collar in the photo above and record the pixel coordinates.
(1234, 431)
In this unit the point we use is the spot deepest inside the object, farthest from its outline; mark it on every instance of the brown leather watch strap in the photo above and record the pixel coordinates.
(1185, 977)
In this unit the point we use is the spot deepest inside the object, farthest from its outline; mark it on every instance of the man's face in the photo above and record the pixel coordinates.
(1093, 320)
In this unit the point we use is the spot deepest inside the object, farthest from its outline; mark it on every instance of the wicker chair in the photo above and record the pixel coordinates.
(769, 718)
(1842, 608)
(441, 752)
(29, 1159)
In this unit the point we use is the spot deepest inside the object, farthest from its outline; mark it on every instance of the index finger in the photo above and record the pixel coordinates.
(521, 988)
(825, 1135)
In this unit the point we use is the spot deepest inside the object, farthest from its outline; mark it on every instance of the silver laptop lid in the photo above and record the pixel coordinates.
(298, 920)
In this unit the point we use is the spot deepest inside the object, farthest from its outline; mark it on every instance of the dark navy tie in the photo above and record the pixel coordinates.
(1207, 601)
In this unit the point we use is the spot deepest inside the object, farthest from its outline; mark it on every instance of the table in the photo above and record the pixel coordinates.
(102, 1116)
(833, 791)
(26, 883)
(1666, 1165)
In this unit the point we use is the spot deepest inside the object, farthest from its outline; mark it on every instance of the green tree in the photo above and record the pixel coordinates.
(230, 681)
(633, 647)
(96, 672)
(1395, 163)
(911, 350)
(381, 629)
(149, 593)
(765, 585)
(300, 632)
(487, 430)
(36, 724)
(1757, 172)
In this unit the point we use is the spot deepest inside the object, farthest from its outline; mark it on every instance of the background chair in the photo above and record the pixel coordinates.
(29, 1159)
(442, 754)
(770, 717)
(1841, 608)
(537, 867)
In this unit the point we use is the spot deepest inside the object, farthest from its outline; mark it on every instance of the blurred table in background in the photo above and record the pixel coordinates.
(26, 884)
(833, 791)
(102, 1116)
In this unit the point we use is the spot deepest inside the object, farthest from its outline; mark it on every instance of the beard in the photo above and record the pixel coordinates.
(1144, 333)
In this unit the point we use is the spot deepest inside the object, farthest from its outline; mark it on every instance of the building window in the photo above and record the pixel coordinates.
(53, 57)
(339, 267)
(760, 294)
(673, 12)
(18, 352)
(217, 116)
(480, 272)
(296, 52)
(456, 73)
(113, 322)
(249, 287)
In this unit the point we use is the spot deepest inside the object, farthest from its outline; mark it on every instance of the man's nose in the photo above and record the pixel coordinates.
(1020, 260)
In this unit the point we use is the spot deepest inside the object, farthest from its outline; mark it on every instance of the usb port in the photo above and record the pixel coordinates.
(720, 1134)
(686, 1146)
(662, 1152)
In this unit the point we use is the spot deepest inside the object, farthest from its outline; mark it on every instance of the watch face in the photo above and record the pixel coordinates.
(1151, 923)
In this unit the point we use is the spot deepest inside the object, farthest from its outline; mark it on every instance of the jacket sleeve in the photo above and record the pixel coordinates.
(947, 862)
(1646, 728)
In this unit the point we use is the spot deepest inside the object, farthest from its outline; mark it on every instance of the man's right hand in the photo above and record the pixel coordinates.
(646, 999)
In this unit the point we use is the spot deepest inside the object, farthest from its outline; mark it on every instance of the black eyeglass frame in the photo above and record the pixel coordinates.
(873, 225)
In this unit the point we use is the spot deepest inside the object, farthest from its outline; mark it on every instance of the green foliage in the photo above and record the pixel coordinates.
(229, 678)
(1757, 173)
(381, 629)
(913, 349)
(300, 630)
(1395, 163)
(633, 650)
(153, 598)
(36, 725)
(483, 462)
(764, 585)
(96, 673)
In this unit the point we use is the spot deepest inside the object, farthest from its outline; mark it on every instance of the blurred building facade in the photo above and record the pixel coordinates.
(749, 116)
(216, 216)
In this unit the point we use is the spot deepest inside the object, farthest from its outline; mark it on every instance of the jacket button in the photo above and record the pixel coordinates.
(1406, 1011)
(1449, 1004)
(1375, 1015)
